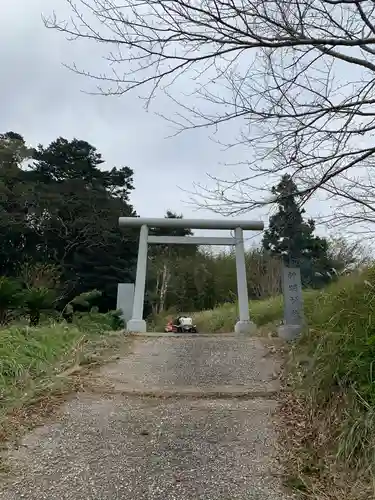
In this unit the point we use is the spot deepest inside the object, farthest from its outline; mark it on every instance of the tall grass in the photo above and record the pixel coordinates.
(333, 369)
(27, 354)
(222, 319)
(32, 360)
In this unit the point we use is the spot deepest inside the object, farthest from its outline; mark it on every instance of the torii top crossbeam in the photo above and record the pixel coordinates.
(246, 225)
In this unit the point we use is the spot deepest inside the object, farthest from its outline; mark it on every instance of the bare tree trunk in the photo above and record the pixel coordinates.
(164, 287)
(155, 302)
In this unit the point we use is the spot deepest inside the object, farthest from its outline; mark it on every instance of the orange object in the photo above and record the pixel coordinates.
(169, 327)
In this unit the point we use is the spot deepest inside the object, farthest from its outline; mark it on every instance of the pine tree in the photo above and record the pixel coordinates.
(292, 239)
(77, 217)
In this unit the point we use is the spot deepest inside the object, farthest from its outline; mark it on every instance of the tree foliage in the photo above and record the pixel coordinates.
(62, 210)
(78, 217)
(293, 240)
(36, 300)
(9, 297)
(16, 193)
(61, 247)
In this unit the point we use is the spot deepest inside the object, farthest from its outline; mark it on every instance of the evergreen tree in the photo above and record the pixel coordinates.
(76, 216)
(17, 238)
(61, 213)
(292, 238)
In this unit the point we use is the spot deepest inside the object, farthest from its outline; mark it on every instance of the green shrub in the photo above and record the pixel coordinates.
(85, 299)
(36, 300)
(28, 353)
(31, 359)
(99, 321)
(10, 297)
(115, 319)
(340, 348)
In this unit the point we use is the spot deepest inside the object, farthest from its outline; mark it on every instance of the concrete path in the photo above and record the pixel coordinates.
(178, 418)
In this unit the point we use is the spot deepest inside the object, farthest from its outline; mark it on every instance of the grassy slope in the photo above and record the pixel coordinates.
(33, 362)
(332, 371)
(223, 318)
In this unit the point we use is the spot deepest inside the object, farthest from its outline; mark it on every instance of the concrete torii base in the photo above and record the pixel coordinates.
(136, 326)
(247, 327)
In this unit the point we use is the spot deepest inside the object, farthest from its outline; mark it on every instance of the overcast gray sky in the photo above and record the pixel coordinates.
(41, 99)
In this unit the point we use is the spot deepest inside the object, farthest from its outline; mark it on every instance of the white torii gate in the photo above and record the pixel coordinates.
(137, 324)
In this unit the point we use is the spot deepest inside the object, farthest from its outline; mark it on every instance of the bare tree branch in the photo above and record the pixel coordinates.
(297, 76)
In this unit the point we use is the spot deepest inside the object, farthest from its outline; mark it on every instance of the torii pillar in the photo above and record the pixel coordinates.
(137, 324)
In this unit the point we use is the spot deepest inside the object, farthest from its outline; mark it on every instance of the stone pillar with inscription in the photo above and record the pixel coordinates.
(293, 303)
